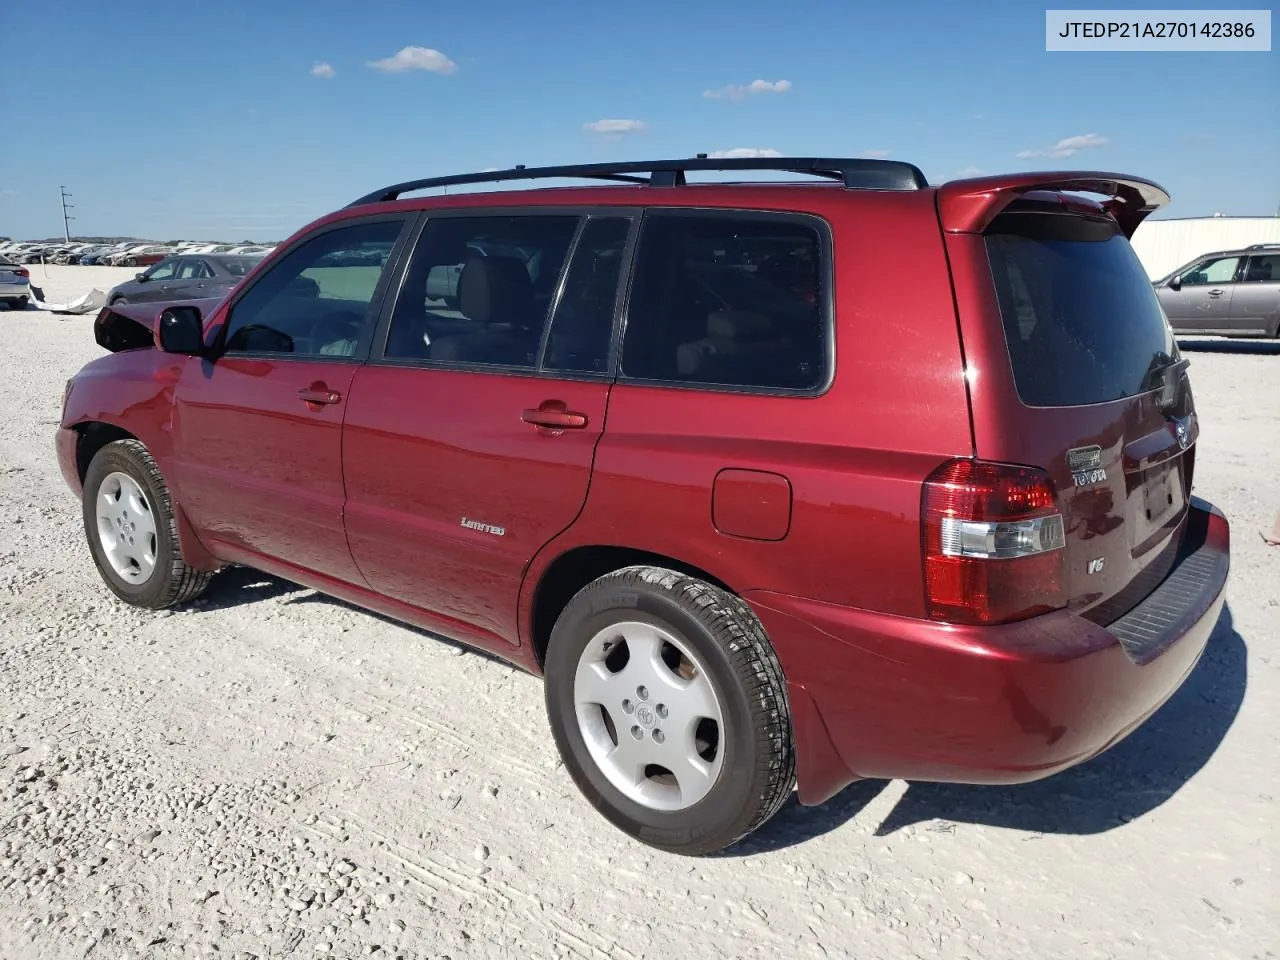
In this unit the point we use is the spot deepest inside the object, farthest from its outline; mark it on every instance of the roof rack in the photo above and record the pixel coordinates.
(1263, 246)
(854, 173)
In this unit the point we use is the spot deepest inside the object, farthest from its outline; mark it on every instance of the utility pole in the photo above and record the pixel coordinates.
(66, 218)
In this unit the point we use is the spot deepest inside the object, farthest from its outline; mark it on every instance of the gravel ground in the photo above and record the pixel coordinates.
(271, 773)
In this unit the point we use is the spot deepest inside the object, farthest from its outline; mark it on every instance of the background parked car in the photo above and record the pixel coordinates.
(141, 256)
(184, 278)
(1232, 293)
(15, 284)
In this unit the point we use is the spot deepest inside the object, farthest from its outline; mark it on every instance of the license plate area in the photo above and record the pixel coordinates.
(1157, 503)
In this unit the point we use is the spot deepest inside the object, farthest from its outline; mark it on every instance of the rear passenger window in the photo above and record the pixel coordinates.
(728, 300)
(1263, 269)
(478, 290)
(583, 323)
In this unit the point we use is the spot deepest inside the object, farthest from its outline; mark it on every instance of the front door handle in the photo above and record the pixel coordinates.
(319, 395)
(554, 416)
(1215, 293)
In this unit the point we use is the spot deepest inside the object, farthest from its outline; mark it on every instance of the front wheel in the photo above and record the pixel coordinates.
(131, 262)
(669, 709)
(132, 532)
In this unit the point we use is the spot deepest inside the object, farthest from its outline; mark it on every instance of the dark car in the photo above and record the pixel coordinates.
(194, 277)
(1234, 293)
(895, 481)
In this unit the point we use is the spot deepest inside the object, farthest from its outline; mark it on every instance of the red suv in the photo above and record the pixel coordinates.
(777, 484)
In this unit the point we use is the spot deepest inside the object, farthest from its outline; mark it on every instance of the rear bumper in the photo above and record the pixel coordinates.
(897, 698)
(13, 290)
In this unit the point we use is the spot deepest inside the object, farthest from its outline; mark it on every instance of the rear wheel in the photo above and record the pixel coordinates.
(669, 709)
(132, 532)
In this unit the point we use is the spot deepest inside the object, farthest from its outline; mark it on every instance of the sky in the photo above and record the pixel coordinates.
(245, 119)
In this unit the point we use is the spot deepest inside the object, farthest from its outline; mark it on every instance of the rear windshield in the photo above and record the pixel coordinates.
(1081, 318)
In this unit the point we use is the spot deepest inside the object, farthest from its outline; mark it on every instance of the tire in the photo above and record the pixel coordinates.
(744, 767)
(119, 302)
(131, 262)
(147, 570)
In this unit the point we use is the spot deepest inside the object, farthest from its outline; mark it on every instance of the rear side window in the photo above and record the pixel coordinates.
(732, 299)
(1081, 319)
(1263, 269)
(578, 341)
(479, 289)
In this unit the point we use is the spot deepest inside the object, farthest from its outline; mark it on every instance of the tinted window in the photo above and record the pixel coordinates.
(1222, 270)
(1081, 319)
(478, 290)
(317, 299)
(239, 266)
(583, 324)
(1263, 269)
(727, 300)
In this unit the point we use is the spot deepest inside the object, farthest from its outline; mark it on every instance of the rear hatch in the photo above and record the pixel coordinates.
(1074, 370)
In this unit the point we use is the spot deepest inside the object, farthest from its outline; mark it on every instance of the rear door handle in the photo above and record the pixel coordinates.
(316, 395)
(554, 416)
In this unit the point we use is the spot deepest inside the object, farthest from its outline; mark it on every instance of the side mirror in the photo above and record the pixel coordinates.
(182, 331)
(1176, 282)
(141, 277)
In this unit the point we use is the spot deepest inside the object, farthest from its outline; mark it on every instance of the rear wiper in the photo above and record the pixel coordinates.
(1166, 374)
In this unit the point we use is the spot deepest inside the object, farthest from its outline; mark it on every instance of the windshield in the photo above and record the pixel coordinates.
(1081, 318)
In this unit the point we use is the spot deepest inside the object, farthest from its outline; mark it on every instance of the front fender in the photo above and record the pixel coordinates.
(129, 394)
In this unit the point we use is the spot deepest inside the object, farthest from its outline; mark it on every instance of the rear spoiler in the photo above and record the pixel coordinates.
(969, 206)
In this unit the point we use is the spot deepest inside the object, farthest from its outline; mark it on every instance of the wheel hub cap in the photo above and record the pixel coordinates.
(649, 715)
(126, 528)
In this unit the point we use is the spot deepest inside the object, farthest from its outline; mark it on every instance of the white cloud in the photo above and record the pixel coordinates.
(740, 91)
(415, 58)
(970, 172)
(1066, 147)
(744, 153)
(875, 154)
(615, 127)
(322, 69)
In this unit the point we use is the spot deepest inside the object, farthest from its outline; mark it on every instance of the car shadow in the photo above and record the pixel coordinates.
(1125, 783)
(236, 586)
(1227, 345)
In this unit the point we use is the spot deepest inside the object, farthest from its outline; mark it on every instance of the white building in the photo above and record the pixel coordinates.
(1165, 245)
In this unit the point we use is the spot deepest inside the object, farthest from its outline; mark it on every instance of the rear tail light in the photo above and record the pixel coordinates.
(22, 271)
(993, 543)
